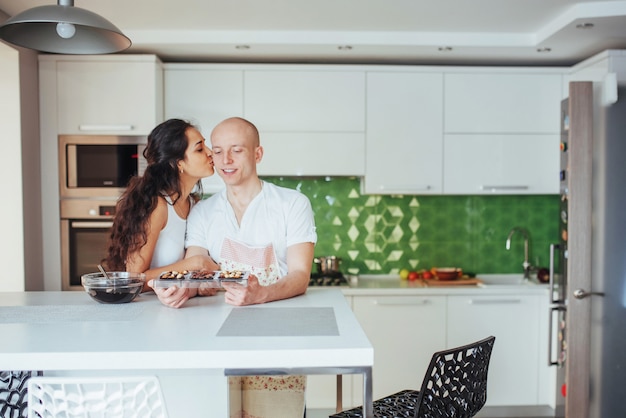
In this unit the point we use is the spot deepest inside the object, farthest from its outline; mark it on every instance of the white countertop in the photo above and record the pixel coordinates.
(70, 331)
(392, 285)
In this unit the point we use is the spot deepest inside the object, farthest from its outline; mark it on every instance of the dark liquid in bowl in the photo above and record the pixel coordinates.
(114, 296)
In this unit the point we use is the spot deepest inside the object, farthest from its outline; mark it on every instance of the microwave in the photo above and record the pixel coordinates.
(99, 165)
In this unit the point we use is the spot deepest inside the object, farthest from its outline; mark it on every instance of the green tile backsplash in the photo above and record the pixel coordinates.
(379, 234)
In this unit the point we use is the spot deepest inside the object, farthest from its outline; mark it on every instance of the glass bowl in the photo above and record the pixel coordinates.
(119, 287)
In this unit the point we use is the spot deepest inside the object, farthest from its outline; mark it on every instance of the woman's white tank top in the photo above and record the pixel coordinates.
(170, 246)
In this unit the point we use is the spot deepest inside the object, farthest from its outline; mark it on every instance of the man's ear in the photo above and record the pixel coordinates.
(258, 154)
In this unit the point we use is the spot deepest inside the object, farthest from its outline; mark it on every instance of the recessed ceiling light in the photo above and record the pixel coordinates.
(242, 47)
(445, 48)
(344, 47)
(585, 25)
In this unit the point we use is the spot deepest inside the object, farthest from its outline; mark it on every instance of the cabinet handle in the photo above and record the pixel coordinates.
(396, 302)
(492, 301)
(496, 188)
(88, 224)
(97, 128)
(407, 189)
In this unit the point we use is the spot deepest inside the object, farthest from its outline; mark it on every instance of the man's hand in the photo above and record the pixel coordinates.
(239, 295)
(173, 296)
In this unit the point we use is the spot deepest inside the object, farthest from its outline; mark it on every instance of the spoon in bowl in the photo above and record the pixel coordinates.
(106, 276)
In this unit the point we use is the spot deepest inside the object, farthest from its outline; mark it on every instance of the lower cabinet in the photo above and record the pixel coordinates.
(515, 322)
(405, 331)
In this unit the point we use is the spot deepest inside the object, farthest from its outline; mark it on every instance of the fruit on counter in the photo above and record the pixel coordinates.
(404, 274)
(413, 275)
(427, 275)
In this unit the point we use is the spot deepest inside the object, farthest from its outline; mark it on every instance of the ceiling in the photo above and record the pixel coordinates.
(478, 32)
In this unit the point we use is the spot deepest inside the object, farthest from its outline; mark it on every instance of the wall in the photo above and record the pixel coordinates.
(11, 221)
(382, 234)
(20, 215)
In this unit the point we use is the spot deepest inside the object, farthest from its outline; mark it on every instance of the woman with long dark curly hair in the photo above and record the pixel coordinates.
(148, 233)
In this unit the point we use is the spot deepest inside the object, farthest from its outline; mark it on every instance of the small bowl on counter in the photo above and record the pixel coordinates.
(447, 273)
(115, 287)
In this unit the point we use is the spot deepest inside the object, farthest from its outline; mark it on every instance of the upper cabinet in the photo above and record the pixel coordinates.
(501, 164)
(316, 100)
(502, 102)
(108, 94)
(404, 140)
(311, 121)
(501, 132)
(404, 130)
(203, 95)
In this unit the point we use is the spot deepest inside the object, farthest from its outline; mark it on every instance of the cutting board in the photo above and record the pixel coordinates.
(447, 283)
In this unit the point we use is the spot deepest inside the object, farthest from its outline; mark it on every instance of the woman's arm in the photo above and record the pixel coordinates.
(140, 260)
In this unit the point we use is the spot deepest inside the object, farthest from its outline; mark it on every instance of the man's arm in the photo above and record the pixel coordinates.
(294, 283)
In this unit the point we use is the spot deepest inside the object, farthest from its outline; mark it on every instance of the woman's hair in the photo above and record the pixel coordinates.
(166, 146)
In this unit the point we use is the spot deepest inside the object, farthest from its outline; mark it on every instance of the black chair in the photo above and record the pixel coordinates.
(455, 386)
(14, 393)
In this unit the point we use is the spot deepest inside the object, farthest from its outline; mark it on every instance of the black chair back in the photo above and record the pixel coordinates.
(455, 384)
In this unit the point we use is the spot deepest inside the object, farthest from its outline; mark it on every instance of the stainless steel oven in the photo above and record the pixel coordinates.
(98, 165)
(85, 229)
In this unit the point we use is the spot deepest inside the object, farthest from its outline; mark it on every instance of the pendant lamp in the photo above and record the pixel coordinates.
(63, 29)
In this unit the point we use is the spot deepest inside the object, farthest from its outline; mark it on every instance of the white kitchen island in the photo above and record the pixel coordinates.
(191, 349)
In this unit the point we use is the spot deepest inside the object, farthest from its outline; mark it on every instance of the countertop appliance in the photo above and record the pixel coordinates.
(94, 171)
(588, 271)
(99, 165)
(85, 229)
(328, 279)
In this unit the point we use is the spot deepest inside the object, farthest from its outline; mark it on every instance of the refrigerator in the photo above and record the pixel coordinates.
(588, 264)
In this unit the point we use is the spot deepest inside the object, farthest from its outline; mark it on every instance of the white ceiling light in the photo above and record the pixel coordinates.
(63, 29)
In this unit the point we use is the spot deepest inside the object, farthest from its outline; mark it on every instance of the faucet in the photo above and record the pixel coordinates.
(526, 263)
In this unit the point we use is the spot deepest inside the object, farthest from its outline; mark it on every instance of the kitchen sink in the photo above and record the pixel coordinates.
(507, 280)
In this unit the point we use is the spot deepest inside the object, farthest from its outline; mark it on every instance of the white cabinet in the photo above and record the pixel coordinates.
(205, 96)
(514, 320)
(311, 119)
(312, 154)
(525, 102)
(404, 141)
(501, 164)
(405, 331)
(315, 100)
(502, 132)
(312, 122)
(118, 94)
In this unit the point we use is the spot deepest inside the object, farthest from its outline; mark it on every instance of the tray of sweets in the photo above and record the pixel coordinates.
(197, 279)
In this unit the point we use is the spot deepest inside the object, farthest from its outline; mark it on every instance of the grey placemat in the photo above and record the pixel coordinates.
(68, 313)
(279, 322)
